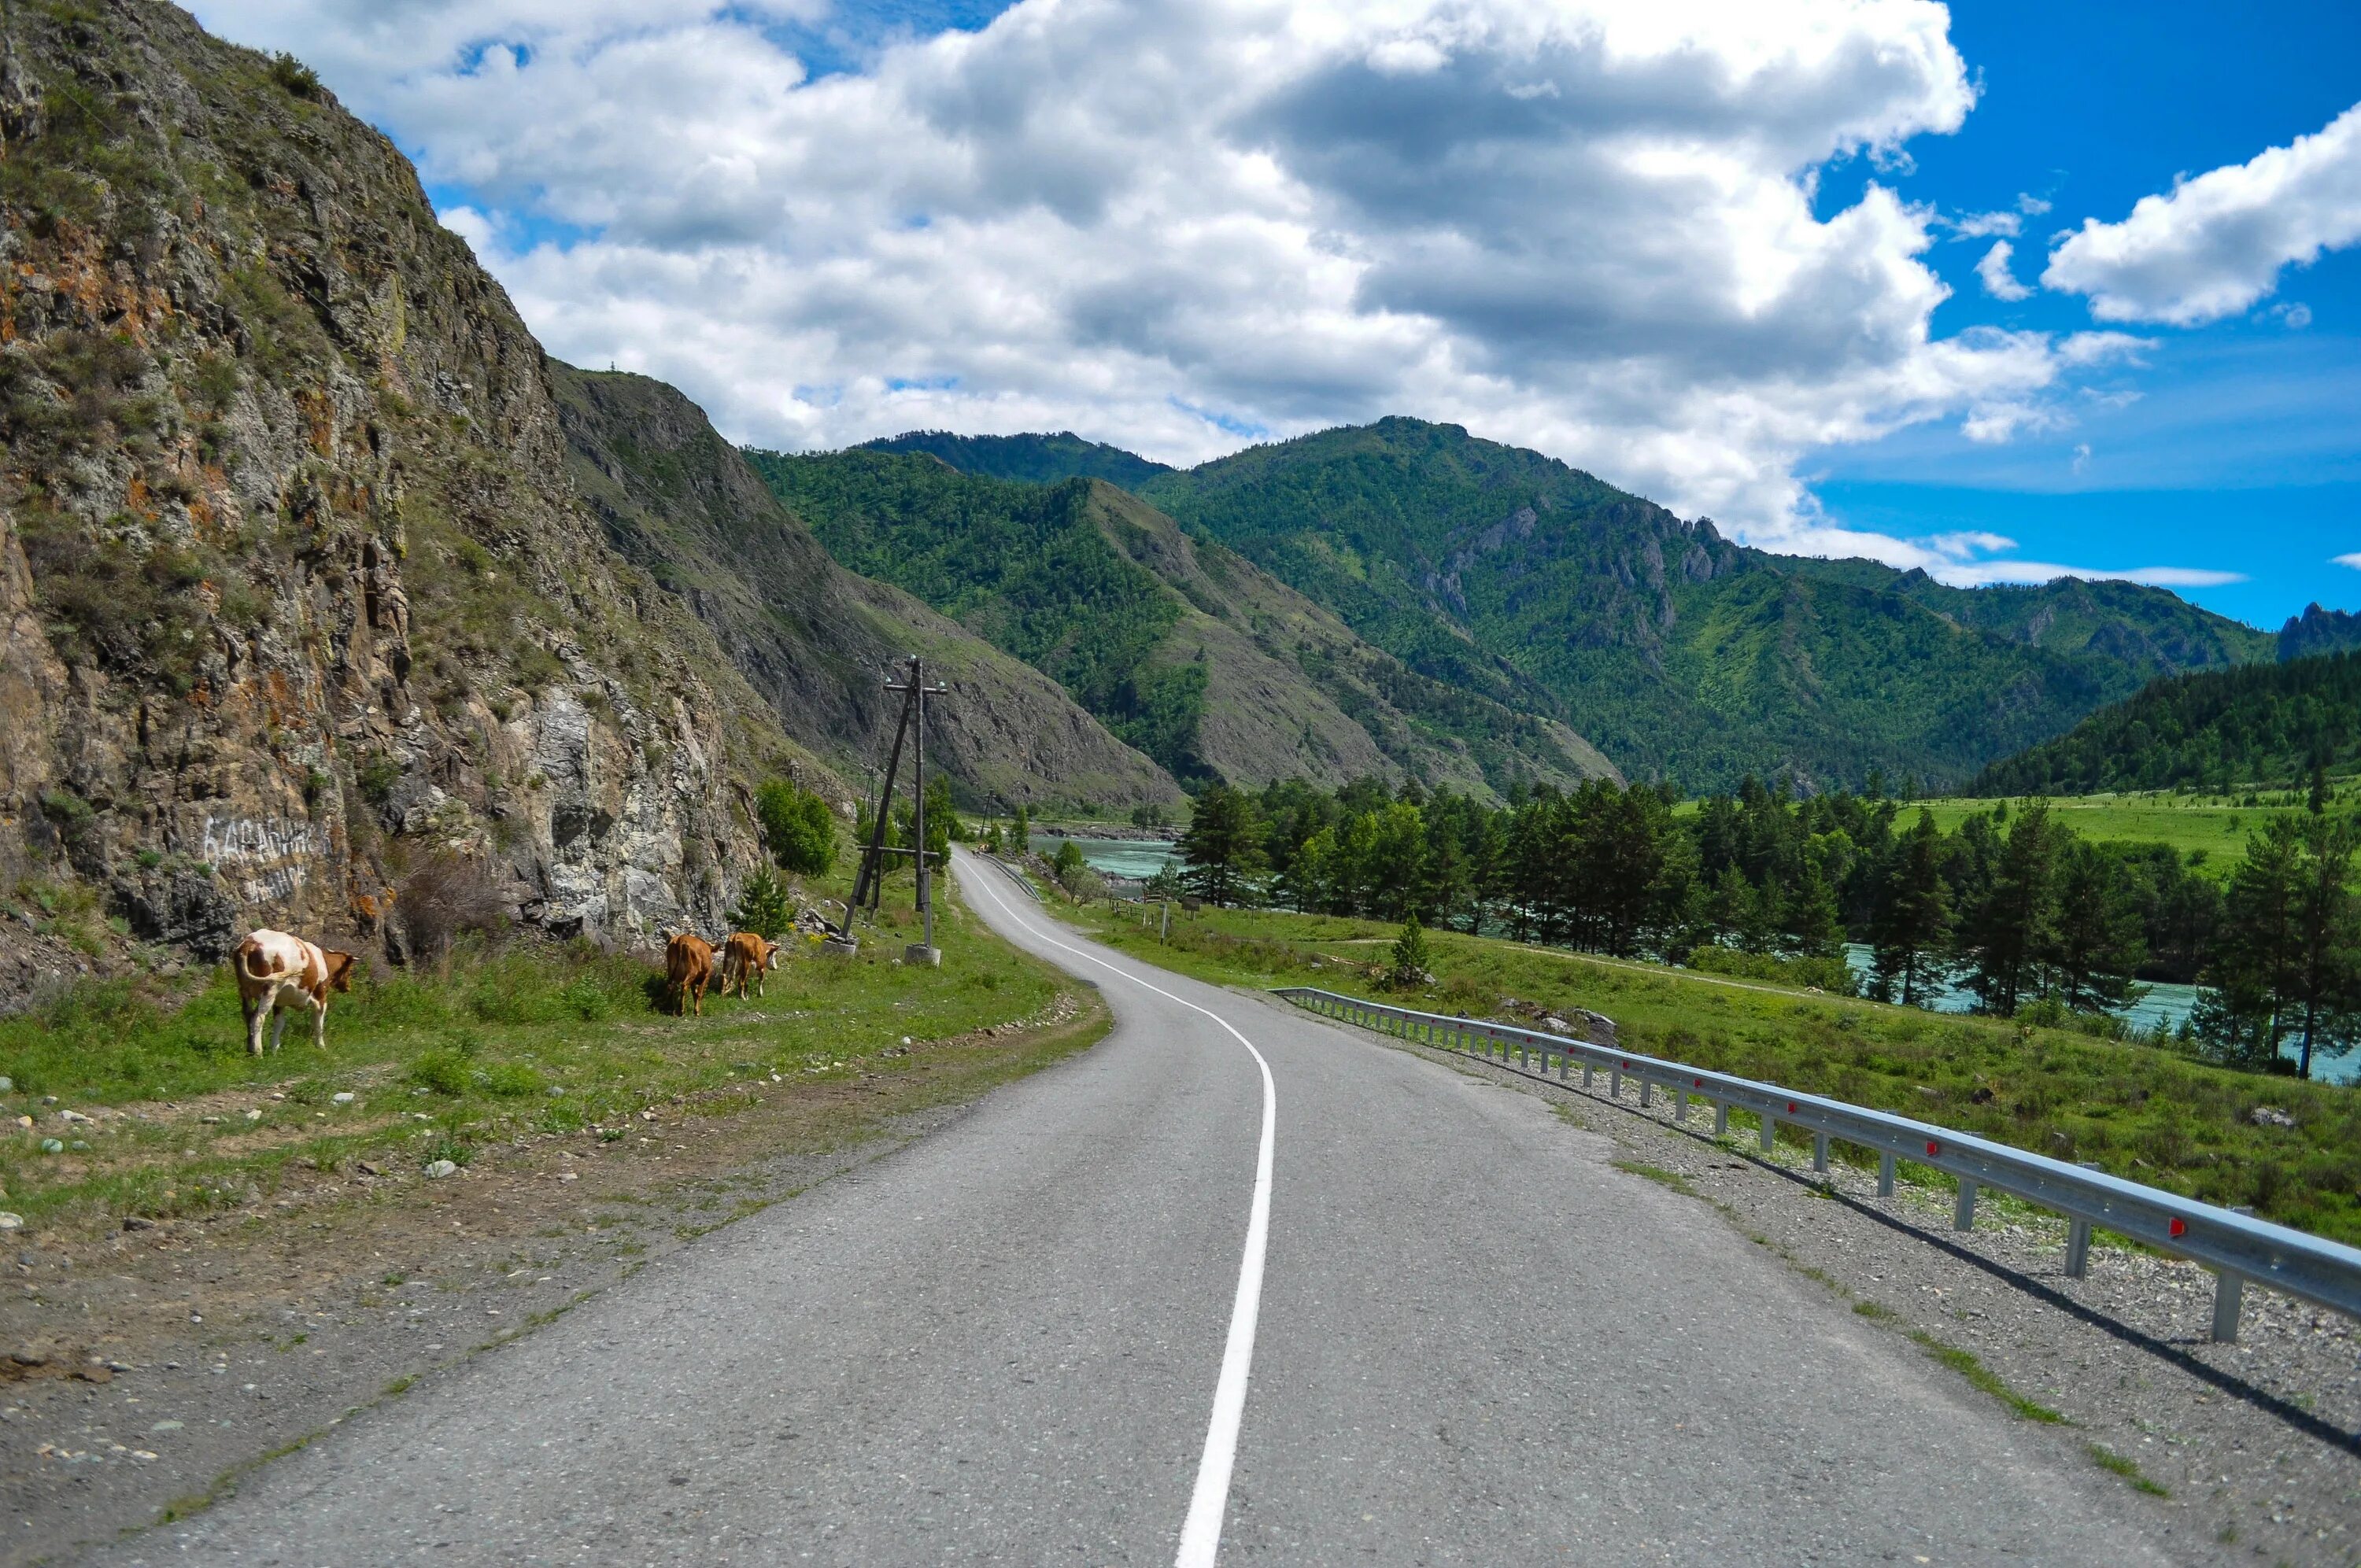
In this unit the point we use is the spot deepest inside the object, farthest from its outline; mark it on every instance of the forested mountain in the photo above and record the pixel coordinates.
(1679, 654)
(2318, 630)
(1177, 645)
(2265, 724)
(1036, 459)
(813, 638)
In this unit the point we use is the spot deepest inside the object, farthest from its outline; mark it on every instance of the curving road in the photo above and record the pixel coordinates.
(1057, 1331)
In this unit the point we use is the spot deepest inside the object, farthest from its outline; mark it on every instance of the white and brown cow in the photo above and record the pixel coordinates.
(276, 973)
(745, 959)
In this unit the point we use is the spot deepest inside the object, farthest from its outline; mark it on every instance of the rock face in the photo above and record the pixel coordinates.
(812, 636)
(294, 591)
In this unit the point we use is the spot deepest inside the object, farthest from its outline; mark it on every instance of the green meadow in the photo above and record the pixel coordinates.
(2141, 1112)
(434, 1064)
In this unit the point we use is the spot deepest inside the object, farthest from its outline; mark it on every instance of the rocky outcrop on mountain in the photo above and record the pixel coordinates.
(815, 638)
(2317, 631)
(295, 595)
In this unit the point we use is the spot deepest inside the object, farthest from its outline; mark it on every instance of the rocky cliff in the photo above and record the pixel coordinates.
(295, 595)
(812, 636)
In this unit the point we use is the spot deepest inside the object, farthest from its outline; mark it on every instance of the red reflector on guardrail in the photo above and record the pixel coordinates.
(1700, 1083)
(2180, 1225)
(1791, 1107)
(1934, 1149)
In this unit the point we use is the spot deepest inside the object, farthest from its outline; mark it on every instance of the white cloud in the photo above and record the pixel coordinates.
(1998, 280)
(1176, 224)
(1983, 226)
(1972, 559)
(2353, 561)
(2216, 244)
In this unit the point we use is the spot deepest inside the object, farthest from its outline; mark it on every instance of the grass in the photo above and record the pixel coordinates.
(2214, 824)
(1985, 1379)
(2107, 1459)
(1657, 1174)
(531, 1039)
(2141, 1112)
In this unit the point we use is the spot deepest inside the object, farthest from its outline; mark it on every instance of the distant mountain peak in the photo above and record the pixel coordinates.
(1031, 458)
(2318, 630)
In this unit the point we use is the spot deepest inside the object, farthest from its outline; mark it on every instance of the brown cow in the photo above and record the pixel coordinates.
(744, 959)
(276, 973)
(688, 969)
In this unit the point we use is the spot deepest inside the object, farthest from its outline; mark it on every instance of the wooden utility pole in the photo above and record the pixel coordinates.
(868, 884)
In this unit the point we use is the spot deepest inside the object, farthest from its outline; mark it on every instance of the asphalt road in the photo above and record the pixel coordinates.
(1472, 1340)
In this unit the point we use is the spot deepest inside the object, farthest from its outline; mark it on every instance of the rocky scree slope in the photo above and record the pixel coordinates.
(812, 636)
(1178, 645)
(1678, 651)
(294, 592)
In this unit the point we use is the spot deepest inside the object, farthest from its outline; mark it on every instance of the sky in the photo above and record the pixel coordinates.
(2004, 292)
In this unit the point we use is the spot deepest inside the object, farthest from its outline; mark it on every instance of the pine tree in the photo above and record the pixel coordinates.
(1913, 915)
(763, 907)
(1410, 959)
(1814, 927)
(2016, 923)
(2097, 941)
(1221, 847)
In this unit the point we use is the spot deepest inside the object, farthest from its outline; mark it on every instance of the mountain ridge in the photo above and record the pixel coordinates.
(1680, 653)
(1177, 643)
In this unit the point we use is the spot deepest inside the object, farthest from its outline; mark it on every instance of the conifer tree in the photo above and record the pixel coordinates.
(1913, 915)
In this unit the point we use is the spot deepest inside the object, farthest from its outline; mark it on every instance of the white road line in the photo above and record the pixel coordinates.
(1201, 1532)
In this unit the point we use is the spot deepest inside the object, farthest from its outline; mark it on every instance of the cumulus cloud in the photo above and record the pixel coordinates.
(1179, 225)
(2216, 244)
(1998, 280)
(2353, 561)
(1975, 559)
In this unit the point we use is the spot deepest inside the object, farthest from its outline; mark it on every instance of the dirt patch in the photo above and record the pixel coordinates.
(143, 1369)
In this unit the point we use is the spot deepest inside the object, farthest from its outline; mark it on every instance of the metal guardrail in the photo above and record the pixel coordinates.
(2236, 1246)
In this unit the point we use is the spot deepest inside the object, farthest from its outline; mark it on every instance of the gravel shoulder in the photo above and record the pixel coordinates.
(2249, 1452)
(144, 1371)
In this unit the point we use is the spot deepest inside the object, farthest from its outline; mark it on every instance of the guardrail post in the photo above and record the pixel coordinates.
(1721, 1118)
(1586, 1070)
(1886, 1174)
(1770, 1132)
(1821, 1152)
(1615, 1083)
(1680, 1105)
(2078, 1250)
(1647, 1092)
(2228, 1288)
(1963, 1218)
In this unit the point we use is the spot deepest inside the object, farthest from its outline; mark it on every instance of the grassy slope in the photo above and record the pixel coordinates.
(2138, 1112)
(439, 1067)
(1673, 649)
(2214, 825)
(1105, 594)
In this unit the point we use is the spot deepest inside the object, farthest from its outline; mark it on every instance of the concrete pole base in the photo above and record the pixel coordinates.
(919, 953)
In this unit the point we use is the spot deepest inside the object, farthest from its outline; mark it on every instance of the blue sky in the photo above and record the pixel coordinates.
(2244, 450)
(1740, 258)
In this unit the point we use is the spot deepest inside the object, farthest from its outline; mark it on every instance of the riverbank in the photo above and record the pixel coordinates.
(2291, 1150)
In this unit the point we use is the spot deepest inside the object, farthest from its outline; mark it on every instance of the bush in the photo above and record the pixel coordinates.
(797, 826)
(1832, 975)
(448, 894)
(510, 1079)
(443, 1071)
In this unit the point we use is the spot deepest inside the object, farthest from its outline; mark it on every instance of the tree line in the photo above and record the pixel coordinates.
(2011, 905)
